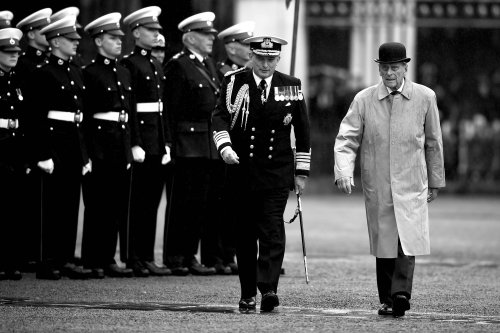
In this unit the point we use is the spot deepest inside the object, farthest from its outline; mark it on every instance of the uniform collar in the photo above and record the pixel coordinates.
(6, 74)
(36, 52)
(196, 55)
(258, 79)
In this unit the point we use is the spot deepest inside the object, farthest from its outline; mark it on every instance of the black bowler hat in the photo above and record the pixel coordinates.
(392, 52)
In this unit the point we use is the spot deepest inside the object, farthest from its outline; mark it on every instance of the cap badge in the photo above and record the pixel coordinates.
(155, 18)
(266, 44)
(7, 22)
(12, 41)
(117, 24)
(208, 23)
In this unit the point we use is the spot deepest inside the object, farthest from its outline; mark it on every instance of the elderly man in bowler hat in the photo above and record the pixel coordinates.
(395, 127)
(252, 123)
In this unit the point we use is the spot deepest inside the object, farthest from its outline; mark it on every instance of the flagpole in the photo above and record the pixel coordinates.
(294, 38)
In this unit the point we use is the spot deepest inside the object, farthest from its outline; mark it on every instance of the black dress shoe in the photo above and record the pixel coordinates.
(47, 274)
(247, 303)
(385, 310)
(400, 304)
(114, 270)
(269, 301)
(198, 269)
(138, 269)
(156, 270)
(179, 270)
(75, 272)
(14, 275)
(97, 273)
(222, 269)
(234, 268)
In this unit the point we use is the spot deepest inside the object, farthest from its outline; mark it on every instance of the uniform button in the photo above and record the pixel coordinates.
(75, 97)
(99, 127)
(251, 146)
(201, 85)
(147, 77)
(51, 128)
(158, 86)
(62, 87)
(272, 139)
(192, 129)
(72, 83)
(123, 97)
(142, 122)
(8, 94)
(253, 129)
(272, 131)
(270, 157)
(251, 155)
(109, 88)
(156, 73)
(271, 148)
(252, 137)
(12, 107)
(119, 83)
(123, 126)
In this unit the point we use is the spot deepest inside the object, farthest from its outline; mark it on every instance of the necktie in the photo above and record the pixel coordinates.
(263, 88)
(395, 92)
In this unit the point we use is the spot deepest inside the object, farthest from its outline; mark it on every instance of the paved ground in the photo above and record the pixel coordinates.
(457, 288)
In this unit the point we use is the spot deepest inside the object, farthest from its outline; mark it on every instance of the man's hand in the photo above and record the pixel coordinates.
(432, 194)
(87, 168)
(166, 158)
(300, 184)
(138, 153)
(344, 184)
(47, 166)
(229, 156)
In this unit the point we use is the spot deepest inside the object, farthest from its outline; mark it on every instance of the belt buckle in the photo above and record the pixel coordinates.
(123, 118)
(78, 117)
(12, 123)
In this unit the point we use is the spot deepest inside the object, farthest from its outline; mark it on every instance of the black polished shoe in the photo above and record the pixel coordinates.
(247, 304)
(198, 269)
(97, 273)
(14, 275)
(156, 270)
(75, 272)
(222, 270)
(269, 301)
(400, 304)
(47, 274)
(114, 270)
(138, 269)
(234, 268)
(385, 310)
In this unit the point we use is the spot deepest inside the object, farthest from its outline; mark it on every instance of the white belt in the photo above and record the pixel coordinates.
(112, 116)
(66, 116)
(150, 107)
(9, 123)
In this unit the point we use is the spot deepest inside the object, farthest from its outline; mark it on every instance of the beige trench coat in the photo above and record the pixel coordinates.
(401, 155)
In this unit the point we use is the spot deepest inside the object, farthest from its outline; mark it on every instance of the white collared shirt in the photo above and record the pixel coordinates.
(400, 88)
(268, 82)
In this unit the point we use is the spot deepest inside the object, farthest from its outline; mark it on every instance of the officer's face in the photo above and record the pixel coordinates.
(264, 66)
(8, 59)
(146, 37)
(203, 42)
(68, 46)
(109, 45)
(393, 74)
(241, 52)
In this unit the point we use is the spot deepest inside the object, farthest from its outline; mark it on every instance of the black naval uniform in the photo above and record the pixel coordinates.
(12, 158)
(153, 135)
(26, 66)
(110, 132)
(227, 66)
(191, 95)
(58, 135)
(259, 185)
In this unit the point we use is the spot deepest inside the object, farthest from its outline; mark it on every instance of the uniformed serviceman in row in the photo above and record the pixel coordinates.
(237, 51)
(61, 150)
(35, 54)
(11, 157)
(252, 134)
(6, 17)
(151, 149)
(191, 95)
(110, 131)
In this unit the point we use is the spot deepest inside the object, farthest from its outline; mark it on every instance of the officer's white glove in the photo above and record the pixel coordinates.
(87, 168)
(47, 166)
(229, 156)
(138, 153)
(166, 158)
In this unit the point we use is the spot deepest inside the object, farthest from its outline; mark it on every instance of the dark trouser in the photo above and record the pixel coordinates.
(106, 196)
(217, 238)
(61, 203)
(259, 216)
(147, 188)
(32, 214)
(188, 208)
(11, 229)
(395, 276)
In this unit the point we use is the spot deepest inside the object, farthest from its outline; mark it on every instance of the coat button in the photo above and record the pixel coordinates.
(251, 146)
(271, 148)
(272, 139)
(252, 137)
(253, 129)
(270, 156)
(251, 155)
(192, 129)
(272, 131)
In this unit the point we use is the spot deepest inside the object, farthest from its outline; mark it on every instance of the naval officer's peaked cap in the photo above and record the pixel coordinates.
(109, 23)
(37, 20)
(146, 17)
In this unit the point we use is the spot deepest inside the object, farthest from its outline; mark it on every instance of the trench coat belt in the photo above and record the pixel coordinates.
(150, 107)
(120, 117)
(9, 123)
(73, 117)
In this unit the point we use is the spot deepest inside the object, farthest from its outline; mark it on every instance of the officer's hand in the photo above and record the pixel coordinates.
(47, 166)
(300, 184)
(229, 156)
(432, 194)
(166, 158)
(344, 184)
(138, 153)
(87, 168)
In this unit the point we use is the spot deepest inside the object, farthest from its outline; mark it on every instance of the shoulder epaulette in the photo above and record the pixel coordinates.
(239, 70)
(178, 55)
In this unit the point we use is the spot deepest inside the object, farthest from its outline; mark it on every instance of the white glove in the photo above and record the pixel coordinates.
(166, 158)
(47, 166)
(229, 155)
(138, 153)
(87, 168)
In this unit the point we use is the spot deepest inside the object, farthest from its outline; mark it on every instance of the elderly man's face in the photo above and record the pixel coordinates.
(203, 42)
(264, 66)
(393, 74)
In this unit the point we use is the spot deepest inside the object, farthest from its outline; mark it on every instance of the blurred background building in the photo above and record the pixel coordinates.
(454, 46)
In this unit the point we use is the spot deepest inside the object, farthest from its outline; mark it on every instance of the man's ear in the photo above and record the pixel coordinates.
(31, 34)
(55, 42)
(278, 60)
(98, 41)
(136, 33)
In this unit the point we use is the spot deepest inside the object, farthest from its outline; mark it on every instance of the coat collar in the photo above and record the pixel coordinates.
(407, 90)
